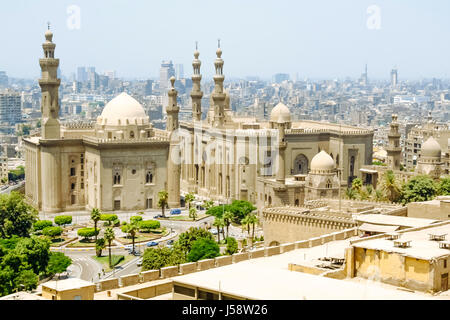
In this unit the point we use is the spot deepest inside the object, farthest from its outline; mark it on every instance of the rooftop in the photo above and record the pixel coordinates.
(384, 219)
(67, 284)
(420, 245)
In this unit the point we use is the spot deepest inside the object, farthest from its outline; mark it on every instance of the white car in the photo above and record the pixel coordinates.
(139, 262)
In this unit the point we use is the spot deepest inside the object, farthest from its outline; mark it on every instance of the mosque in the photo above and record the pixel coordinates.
(121, 162)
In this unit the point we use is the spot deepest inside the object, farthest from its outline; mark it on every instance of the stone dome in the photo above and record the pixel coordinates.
(431, 148)
(123, 110)
(322, 162)
(280, 114)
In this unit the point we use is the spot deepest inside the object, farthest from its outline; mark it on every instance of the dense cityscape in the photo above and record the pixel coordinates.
(185, 186)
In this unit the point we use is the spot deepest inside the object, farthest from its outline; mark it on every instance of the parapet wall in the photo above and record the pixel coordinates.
(190, 267)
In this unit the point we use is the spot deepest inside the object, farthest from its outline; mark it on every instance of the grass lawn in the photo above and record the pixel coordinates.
(142, 237)
(58, 242)
(104, 260)
(82, 243)
(185, 218)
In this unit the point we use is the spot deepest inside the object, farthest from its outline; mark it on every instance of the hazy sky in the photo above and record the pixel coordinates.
(316, 39)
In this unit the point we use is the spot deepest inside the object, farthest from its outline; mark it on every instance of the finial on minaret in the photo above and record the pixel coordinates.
(196, 45)
(48, 33)
(48, 25)
(218, 43)
(172, 81)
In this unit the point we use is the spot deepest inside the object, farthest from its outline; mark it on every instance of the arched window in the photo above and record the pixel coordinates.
(131, 134)
(301, 164)
(328, 184)
(297, 203)
(149, 177)
(116, 178)
(270, 200)
(352, 166)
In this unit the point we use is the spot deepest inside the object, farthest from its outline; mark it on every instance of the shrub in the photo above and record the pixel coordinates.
(232, 245)
(108, 217)
(63, 220)
(149, 225)
(52, 231)
(156, 258)
(87, 232)
(115, 260)
(42, 224)
(135, 219)
(203, 249)
(116, 223)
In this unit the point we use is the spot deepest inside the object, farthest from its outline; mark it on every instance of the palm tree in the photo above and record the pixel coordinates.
(350, 193)
(193, 213)
(357, 184)
(131, 229)
(188, 198)
(252, 220)
(378, 196)
(208, 204)
(95, 216)
(218, 223)
(227, 218)
(390, 186)
(162, 202)
(245, 222)
(109, 237)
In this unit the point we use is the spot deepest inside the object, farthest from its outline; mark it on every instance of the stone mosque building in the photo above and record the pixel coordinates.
(122, 162)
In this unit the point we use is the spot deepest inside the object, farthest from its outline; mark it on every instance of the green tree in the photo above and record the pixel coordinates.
(135, 219)
(58, 263)
(193, 213)
(87, 233)
(390, 186)
(52, 232)
(350, 193)
(63, 220)
(187, 238)
(99, 246)
(245, 223)
(156, 258)
(109, 237)
(418, 188)
(227, 218)
(232, 245)
(163, 198)
(42, 224)
(218, 223)
(16, 216)
(132, 228)
(444, 186)
(253, 221)
(95, 216)
(203, 249)
(357, 184)
(149, 225)
(189, 198)
(207, 204)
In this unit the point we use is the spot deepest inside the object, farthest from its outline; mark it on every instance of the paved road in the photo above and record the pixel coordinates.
(12, 188)
(84, 267)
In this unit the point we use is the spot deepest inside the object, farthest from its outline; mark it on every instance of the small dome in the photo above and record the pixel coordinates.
(48, 35)
(280, 114)
(122, 110)
(431, 148)
(322, 162)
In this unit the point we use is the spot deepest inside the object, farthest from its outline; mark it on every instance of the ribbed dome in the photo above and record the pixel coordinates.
(280, 114)
(431, 148)
(322, 162)
(123, 110)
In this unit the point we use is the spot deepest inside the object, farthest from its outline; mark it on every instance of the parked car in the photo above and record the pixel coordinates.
(139, 262)
(214, 231)
(158, 216)
(169, 244)
(175, 211)
(152, 243)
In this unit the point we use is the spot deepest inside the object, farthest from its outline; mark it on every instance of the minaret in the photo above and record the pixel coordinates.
(394, 151)
(281, 173)
(196, 93)
(218, 95)
(49, 84)
(174, 162)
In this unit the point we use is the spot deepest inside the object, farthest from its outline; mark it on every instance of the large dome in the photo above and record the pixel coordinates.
(431, 148)
(280, 114)
(123, 110)
(322, 162)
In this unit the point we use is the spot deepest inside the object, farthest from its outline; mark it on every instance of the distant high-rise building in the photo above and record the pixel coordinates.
(111, 74)
(179, 71)
(165, 73)
(148, 87)
(10, 107)
(81, 74)
(364, 77)
(394, 78)
(280, 77)
(3, 79)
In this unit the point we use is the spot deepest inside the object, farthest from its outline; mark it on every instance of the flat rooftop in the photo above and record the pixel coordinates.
(67, 284)
(420, 246)
(269, 278)
(384, 219)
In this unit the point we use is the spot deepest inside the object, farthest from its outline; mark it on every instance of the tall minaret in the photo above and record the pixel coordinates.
(394, 151)
(49, 84)
(281, 173)
(196, 93)
(174, 162)
(218, 95)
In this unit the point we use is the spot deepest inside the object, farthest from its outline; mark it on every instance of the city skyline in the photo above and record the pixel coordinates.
(318, 41)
